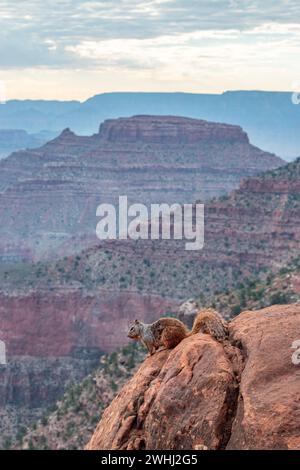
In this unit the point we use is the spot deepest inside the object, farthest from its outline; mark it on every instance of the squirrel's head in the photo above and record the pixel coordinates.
(134, 330)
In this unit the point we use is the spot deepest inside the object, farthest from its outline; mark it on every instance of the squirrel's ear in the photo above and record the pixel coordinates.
(136, 321)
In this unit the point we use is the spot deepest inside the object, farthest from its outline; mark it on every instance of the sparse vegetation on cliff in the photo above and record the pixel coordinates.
(75, 416)
(71, 422)
(270, 288)
(249, 235)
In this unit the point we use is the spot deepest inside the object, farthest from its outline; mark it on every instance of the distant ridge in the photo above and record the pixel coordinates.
(271, 120)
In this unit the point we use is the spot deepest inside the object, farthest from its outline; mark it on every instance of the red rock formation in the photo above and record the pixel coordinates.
(169, 129)
(246, 231)
(54, 339)
(204, 395)
(49, 196)
(46, 324)
(268, 412)
(54, 212)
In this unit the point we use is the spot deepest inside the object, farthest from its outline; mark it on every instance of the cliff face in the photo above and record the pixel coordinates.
(243, 394)
(72, 420)
(71, 424)
(53, 340)
(81, 304)
(255, 227)
(71, 322)
(49, 195)
(170, 129)
(69, 309)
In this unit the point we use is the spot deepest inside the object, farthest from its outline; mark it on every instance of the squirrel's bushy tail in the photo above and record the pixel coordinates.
(210, 321)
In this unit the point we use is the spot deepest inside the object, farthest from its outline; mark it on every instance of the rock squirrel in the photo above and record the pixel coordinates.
(166, 333)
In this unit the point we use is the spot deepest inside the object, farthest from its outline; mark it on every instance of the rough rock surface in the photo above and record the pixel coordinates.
(268, 413)
(240, 395)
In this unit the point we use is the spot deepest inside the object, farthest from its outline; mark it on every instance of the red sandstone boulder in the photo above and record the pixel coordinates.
(268, 414)
(177, 400)
(244, 394)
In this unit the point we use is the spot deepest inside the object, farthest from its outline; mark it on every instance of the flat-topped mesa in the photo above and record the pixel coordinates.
(169, 129)
(148, 158)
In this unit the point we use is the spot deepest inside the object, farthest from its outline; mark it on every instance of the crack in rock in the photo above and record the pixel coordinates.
(236, 355)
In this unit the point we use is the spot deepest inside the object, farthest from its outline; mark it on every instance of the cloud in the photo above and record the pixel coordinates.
(170, 39)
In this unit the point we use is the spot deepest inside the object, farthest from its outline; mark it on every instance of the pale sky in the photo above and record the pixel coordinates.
(73, 49)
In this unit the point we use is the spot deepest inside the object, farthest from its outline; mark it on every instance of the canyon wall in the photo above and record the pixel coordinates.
(55, 313)
(49, 195)
(54, 339)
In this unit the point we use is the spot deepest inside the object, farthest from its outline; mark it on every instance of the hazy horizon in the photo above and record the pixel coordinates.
(82, 100)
